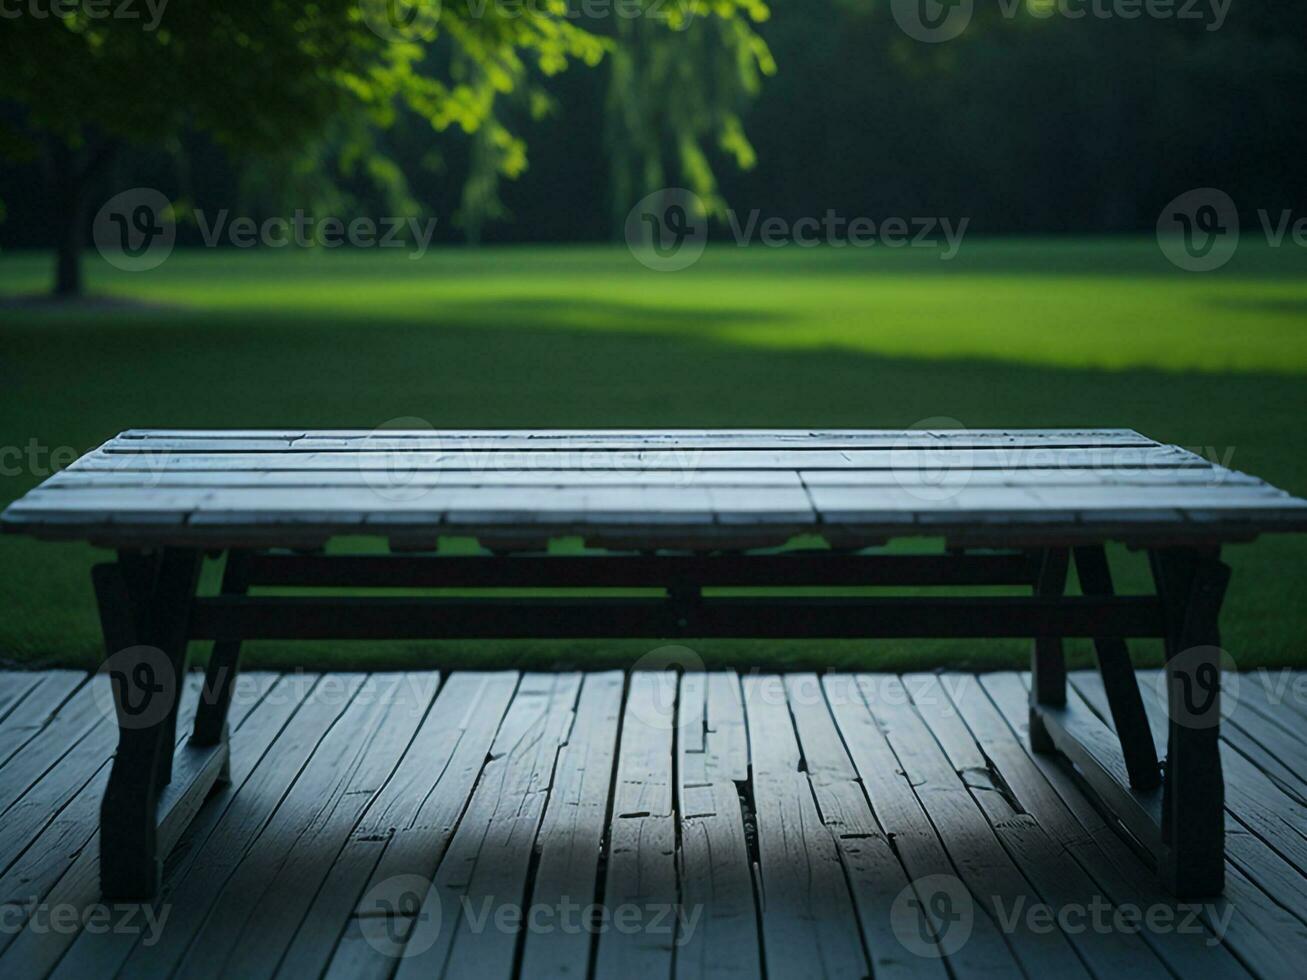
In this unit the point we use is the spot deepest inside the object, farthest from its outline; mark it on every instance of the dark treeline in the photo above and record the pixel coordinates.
(1032, 121)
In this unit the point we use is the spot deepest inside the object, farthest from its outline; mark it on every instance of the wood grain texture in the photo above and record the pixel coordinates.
(640, 882)
(571, 834)
(485, 870)
(1245, 920)
(1062, 883)
(284, 486)
(875, 877)
(983, 864)
(716, 875)
(793, 812)
(994, 709)
(809, 925)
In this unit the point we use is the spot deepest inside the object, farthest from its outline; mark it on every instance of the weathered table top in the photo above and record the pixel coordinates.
(647, 488)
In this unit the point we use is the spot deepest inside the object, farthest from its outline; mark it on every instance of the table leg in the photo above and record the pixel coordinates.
(1192, 586)
(147, 677)
(1119, 681)
(224, 666)
(1047, 662)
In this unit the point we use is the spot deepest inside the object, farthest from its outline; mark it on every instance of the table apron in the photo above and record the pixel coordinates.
(234, 618)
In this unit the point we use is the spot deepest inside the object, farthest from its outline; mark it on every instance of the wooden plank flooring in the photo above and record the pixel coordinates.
(499, 825)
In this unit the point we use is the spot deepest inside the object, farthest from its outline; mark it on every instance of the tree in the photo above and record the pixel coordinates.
(715, 67)
(259, 75)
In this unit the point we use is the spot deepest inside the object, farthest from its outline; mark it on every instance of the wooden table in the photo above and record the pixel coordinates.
(681, 512)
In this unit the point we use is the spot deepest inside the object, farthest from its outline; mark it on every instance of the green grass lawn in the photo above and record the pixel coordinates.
(1011, 333)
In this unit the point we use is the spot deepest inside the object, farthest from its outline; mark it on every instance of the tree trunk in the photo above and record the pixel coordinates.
(69, 195)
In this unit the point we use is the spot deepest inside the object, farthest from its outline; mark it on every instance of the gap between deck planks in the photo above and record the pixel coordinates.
(784, 826)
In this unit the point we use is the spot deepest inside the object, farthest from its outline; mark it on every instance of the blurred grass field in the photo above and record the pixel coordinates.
(1011, 333)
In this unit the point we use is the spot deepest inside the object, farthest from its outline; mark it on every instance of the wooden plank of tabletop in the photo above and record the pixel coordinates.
(886, 509)
(935, 478)
(148, 440)
(1058, 505)
(682, 458)
(583, 479)
(524, 505)
(388, 441)
(421, 479)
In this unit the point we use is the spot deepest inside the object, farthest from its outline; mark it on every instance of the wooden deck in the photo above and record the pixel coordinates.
(416, 825)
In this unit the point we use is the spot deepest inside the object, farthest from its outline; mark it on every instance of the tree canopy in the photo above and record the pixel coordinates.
(268, 76)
